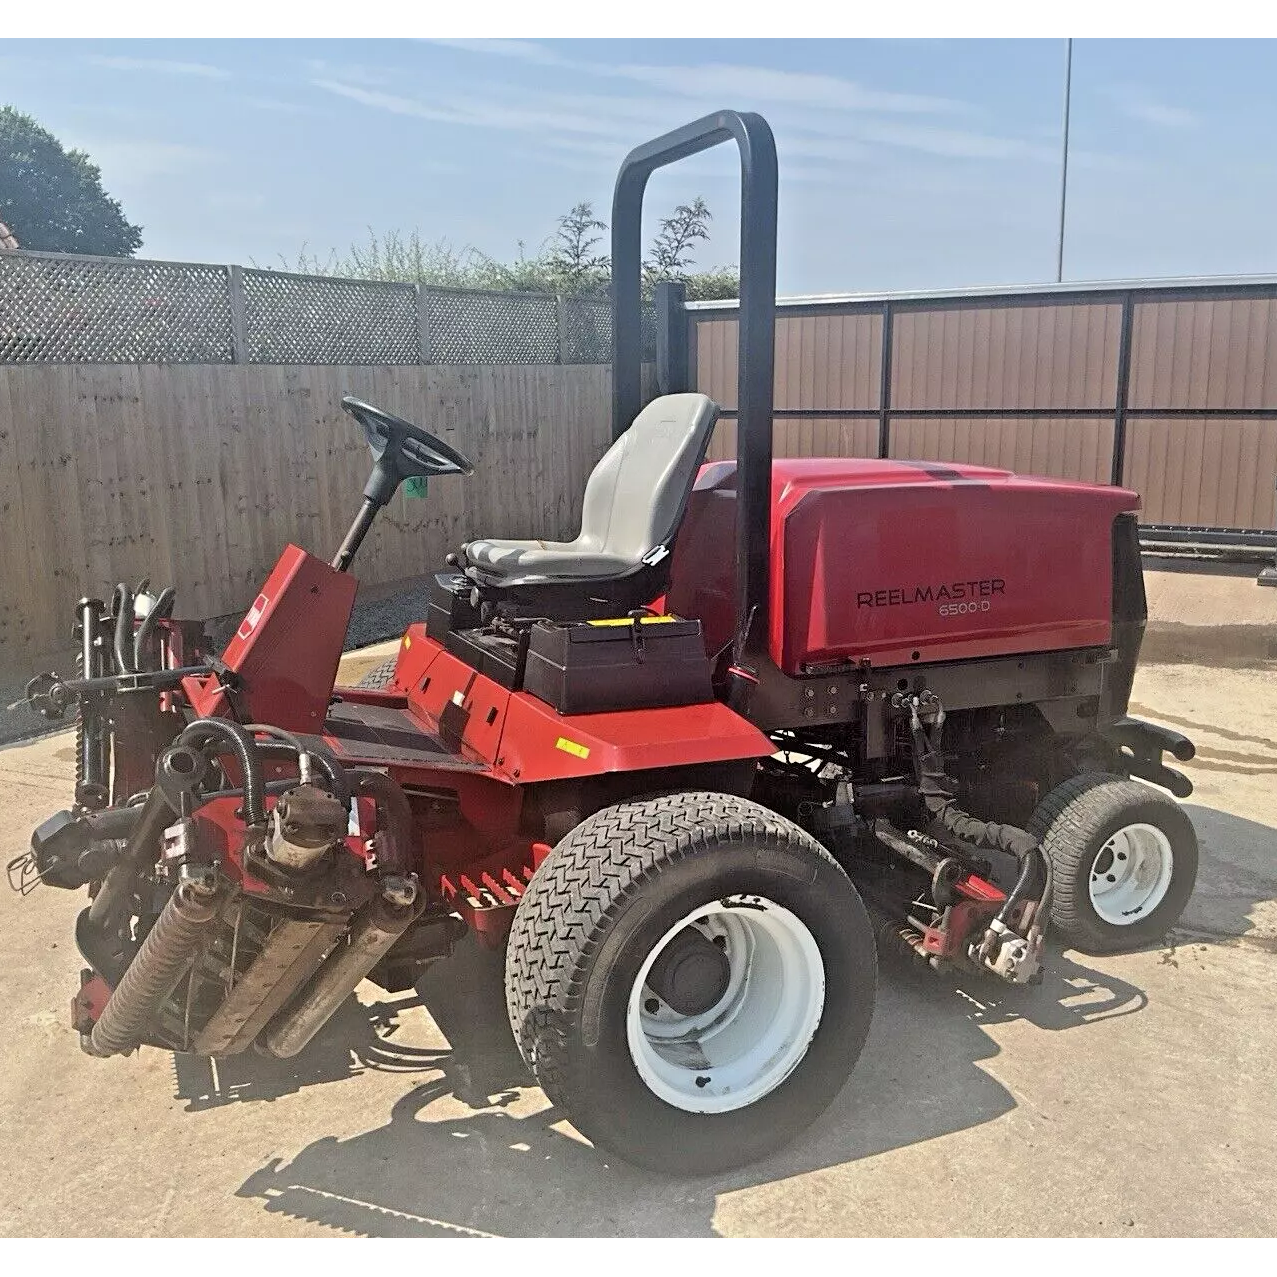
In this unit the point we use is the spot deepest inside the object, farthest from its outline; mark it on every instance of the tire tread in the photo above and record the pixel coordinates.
(380, 676)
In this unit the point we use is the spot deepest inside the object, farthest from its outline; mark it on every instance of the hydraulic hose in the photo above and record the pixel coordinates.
(123, 607)
(162, 607)
(334, 773)
(395, 851)
(118, 884)
(206, 731)
(269, 729)
(938, 789)
(320, 759)
(1042, 914)
(1019, 891)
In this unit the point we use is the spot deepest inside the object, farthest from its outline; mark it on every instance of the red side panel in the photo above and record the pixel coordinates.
(527, 740)
(288, 645)
(466, 709)
(540, 744)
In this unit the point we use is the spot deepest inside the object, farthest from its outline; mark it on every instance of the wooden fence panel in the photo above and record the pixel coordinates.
(197, 475)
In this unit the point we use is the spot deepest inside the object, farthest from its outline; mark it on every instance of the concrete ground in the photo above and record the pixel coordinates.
(1127, 1095)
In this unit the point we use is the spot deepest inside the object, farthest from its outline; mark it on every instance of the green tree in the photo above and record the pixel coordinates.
(567, 263)
(52, 198)
(573, 256)
(671, 251)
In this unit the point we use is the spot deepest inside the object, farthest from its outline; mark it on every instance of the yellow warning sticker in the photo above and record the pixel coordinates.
(572, 747)
(627, 620)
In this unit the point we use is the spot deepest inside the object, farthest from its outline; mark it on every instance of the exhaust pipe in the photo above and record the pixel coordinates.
(376, 929)
(161, 962)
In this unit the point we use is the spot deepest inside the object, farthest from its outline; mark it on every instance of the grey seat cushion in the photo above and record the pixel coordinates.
(634, 502)
(554, 559)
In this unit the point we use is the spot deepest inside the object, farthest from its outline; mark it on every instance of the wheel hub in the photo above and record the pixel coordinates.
(1131, 874)
(691, 974)
(749, 981)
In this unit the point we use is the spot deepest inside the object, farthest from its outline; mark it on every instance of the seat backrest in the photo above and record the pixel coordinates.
(636, 495)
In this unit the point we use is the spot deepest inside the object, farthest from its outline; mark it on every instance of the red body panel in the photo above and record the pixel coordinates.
(466, 709)
(287, 646)
(539, 744)
(896, 562)
(525, 740)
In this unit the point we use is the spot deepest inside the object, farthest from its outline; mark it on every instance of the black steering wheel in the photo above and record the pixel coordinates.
(402, 450)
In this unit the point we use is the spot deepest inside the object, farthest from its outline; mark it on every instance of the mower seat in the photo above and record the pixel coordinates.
(634, 502)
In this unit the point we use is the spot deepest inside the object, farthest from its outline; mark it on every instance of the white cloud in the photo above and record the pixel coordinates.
(719, 81)
(1139, 104)
(906, 41)
(832, 125)
(522, 50)
(480, 112)
(159, 66)
(347, 72)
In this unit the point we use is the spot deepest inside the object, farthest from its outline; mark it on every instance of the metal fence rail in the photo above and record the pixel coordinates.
(61, 309)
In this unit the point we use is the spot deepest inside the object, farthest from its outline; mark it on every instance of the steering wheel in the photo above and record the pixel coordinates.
(402, 450)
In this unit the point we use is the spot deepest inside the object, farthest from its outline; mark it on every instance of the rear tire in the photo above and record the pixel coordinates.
(775, 993)
(380, 676)
(1125, 861)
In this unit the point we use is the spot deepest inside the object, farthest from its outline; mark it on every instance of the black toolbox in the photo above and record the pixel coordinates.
(594, 667)
(449, 607)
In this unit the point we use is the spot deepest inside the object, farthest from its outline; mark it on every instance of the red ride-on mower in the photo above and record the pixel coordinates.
(651, 761)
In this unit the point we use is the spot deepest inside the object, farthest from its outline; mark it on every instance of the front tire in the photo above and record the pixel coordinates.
(691, 979)
(1125, 861)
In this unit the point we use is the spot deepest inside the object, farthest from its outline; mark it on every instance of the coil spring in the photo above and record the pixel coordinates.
(167, 951)
(79, 727)
(900, 938)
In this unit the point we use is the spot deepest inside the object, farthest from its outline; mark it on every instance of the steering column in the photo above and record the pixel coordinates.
(400, 451)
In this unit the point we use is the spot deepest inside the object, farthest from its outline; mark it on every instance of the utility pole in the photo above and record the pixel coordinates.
(1064, 160)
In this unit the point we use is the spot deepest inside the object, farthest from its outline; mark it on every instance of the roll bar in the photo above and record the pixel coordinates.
(753, 137)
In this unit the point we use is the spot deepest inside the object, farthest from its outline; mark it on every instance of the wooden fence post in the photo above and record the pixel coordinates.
(239, 316)
(423, 325)
(561, 319)
(671, 337)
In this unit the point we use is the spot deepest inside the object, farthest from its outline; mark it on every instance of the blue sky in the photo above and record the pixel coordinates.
(904, 164)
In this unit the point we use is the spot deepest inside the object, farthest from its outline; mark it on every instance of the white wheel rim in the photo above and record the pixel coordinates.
(1131, 874)
(758, 1032)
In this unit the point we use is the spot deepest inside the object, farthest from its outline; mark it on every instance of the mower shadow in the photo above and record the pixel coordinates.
(464, 997)
(1237, 874)
(429, 1172)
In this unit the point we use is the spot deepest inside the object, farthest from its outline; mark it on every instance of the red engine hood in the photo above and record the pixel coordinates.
(904, 562)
